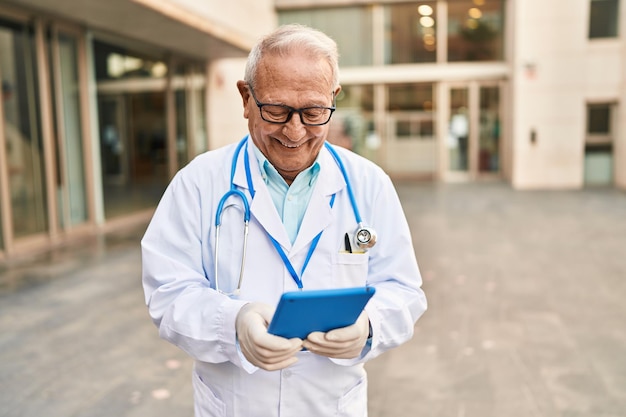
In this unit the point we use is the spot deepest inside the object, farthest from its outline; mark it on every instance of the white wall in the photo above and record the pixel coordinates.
(254, 19)
(225, 123)
(556, 71)
(250, 19)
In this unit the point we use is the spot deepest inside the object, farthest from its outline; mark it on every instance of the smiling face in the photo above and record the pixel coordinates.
(296, 80)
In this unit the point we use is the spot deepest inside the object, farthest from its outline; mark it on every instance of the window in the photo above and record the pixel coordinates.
(598, 119)
(352, 125)
(350, 27)
(409, 129)
(475, 30)
(603, 15)
(598, 163)
(411, 107)
(599, 124)
(113, 62)
(410, 33)
(410, 97)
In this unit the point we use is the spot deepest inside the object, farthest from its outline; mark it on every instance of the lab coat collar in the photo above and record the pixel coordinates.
(318, 214)
(261, 206)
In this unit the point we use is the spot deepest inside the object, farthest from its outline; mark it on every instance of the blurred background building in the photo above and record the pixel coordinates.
(103, 101)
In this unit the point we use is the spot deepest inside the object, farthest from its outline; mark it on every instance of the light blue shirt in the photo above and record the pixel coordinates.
(290, 201)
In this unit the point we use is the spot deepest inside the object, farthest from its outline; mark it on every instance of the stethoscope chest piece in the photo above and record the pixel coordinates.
(365, 237)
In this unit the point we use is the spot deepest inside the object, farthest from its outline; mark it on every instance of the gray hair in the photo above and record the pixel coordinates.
(290, 38)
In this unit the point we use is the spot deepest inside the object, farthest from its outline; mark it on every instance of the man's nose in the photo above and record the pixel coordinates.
(294, 129)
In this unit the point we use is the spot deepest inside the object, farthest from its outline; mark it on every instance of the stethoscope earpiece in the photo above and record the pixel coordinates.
(365, 237)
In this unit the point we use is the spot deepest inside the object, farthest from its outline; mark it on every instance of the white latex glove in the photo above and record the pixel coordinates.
(260, 348)
(344, 343)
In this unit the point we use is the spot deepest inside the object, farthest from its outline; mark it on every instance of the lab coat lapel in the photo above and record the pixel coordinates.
(318, 214)
(261, 206)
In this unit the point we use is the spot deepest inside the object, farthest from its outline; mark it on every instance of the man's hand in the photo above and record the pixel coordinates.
(260, 348)
(344, 343)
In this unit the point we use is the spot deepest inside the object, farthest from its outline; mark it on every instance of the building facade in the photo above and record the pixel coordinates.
(104, 101)
(525, 90)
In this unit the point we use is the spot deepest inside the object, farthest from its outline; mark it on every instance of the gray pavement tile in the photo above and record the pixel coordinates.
(526, 317)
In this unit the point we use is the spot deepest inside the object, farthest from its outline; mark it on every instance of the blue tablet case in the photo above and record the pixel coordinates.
(302, 312)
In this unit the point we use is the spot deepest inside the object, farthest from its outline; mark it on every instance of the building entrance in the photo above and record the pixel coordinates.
(472, 140)
(133, 150)
(44, 183)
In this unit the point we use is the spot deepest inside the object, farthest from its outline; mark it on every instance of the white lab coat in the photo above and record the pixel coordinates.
(178, 279)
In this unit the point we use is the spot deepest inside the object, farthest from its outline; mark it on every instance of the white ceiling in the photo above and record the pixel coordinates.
(127, 20)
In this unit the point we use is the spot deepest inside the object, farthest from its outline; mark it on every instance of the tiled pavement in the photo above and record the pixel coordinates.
(526, 317)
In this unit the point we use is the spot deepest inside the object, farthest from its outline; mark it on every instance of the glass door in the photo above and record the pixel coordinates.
(43, 179)
(133, 150)
(113, 142)
(71, 182)
(21, 135)
(138, 137)
(489, 130)
(459, 130)
(473, 140)
(188, 112)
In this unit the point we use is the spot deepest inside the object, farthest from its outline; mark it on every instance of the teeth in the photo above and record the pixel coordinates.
(288, 146)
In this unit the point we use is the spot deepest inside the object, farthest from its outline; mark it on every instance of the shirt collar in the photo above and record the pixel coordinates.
(304, 179)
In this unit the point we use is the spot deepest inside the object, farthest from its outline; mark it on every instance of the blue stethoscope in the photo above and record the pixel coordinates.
(364, 237)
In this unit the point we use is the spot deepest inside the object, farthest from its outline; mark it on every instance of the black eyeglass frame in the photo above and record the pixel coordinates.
(293, 110)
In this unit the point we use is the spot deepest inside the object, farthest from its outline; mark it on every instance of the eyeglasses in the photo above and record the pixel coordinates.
(280, 113)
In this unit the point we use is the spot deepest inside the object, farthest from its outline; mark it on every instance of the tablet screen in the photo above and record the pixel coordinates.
(302, 312)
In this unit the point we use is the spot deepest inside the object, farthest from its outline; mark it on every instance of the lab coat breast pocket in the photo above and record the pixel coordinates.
(350, 269)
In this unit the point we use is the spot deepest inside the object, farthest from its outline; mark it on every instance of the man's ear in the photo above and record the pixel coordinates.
(337, 90)
(242, 86)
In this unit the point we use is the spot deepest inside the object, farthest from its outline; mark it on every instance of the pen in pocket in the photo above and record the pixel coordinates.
(346, 240)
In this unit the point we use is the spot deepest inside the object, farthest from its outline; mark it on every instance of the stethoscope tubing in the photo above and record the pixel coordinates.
(218, 225)
(234, 192)
(357, 214)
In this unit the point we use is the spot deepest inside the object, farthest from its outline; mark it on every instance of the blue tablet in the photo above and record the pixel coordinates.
(302, 312)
